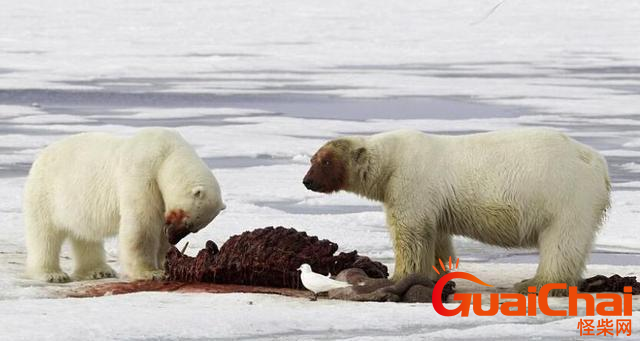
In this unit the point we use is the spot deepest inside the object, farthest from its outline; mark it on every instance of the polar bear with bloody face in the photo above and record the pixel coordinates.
(149, 190)
(533, 188)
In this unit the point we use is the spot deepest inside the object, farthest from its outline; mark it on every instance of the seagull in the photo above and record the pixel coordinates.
(318, 283)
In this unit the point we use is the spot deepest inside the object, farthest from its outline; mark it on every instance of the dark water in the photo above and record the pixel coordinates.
(110, 101)
(289, 104)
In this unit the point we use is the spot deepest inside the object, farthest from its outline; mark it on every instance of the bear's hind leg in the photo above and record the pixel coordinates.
(44, 242)
(564, 248)
(90, 260)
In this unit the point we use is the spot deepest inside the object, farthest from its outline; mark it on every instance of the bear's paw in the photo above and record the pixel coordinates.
(98, 273)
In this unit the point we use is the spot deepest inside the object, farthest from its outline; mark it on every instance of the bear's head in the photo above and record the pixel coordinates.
(337, 166)
(192, 208)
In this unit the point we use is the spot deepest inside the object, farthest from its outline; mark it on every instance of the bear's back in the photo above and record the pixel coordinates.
(72, 180)
(76, 152)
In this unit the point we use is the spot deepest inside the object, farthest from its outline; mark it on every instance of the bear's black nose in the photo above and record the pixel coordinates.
(307, 183)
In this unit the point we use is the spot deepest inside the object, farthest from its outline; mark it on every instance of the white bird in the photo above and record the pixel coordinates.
(318, 283)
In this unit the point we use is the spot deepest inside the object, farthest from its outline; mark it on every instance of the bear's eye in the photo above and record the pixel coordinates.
(326, 162)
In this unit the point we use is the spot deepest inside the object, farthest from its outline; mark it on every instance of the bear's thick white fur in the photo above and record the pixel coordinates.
(520, 188)
(91, 186)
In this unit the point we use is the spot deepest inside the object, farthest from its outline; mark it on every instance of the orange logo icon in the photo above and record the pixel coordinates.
(614, 305)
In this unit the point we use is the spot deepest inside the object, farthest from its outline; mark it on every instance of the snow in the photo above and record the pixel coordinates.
(250, 316)
(632, 167)
(233, 316)
(257, 89)
(49, 119)
(155, 113)
(573, 57)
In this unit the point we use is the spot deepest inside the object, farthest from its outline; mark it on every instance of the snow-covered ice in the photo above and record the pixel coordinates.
(257, 88)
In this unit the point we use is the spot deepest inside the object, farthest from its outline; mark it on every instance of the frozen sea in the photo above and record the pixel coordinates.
(258, 87)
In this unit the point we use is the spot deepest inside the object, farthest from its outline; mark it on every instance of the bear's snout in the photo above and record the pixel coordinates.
(312, 184)
(308, 183)
(177, 226)
(175, 217)
(324, 181)
(327, 173)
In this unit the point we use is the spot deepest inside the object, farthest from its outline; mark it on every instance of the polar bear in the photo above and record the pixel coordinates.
(91, 186)
(520, 188)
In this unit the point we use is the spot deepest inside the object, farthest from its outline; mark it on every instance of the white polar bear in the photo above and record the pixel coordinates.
(91, 186)
(521, 188)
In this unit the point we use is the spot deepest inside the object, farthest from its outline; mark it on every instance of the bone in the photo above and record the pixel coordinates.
(184, 248)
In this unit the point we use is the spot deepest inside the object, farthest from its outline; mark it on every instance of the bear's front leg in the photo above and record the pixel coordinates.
(139, 247)
(444, 251)
(163, 248)
(414, 247)
(90, 260)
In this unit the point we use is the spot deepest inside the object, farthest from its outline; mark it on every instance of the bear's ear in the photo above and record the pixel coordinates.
(359, 155)
(197, 192)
